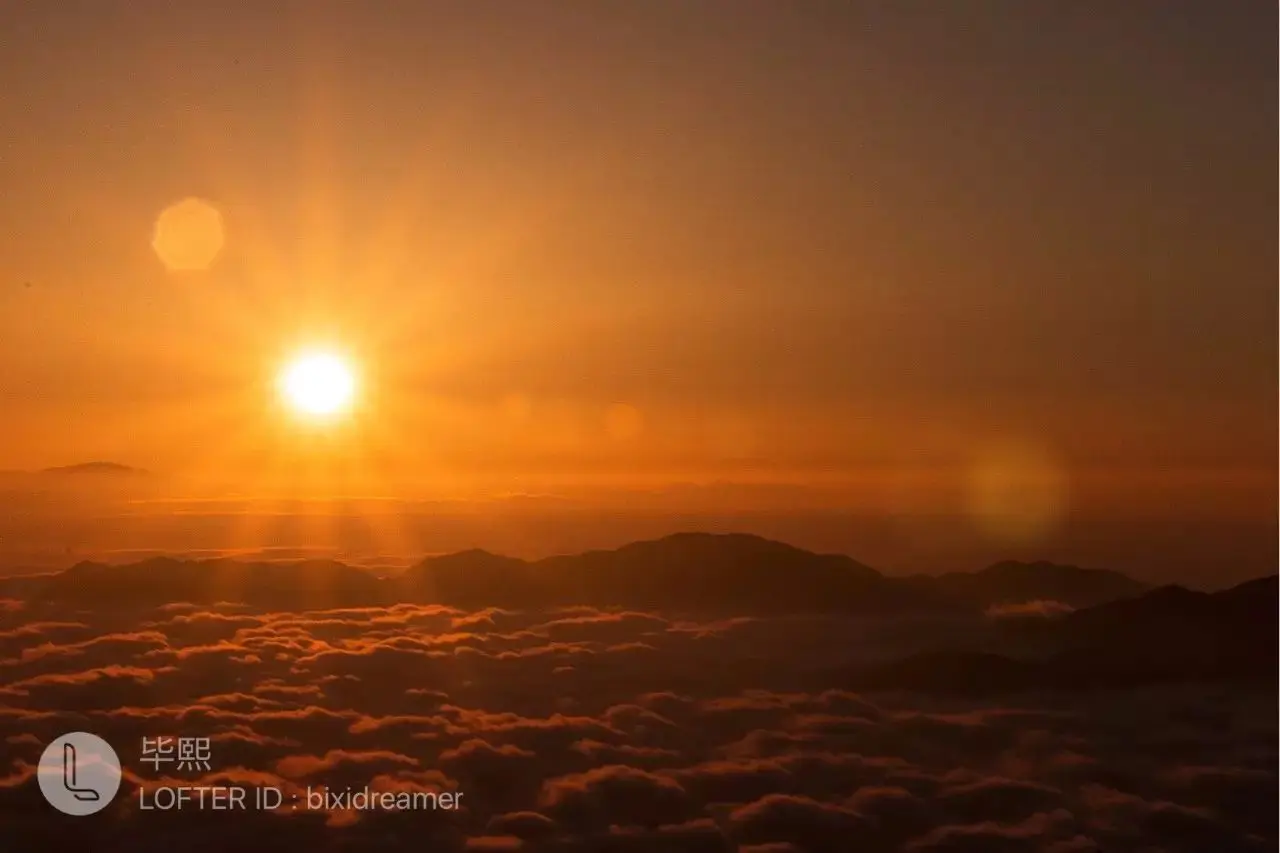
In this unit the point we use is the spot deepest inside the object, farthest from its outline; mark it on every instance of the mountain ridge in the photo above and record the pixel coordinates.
(1014, 581)
(738, 572)
(1169, 634)
(98, 468)
(1164, 634)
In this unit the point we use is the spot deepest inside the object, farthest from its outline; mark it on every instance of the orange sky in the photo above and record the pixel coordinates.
(799, 243)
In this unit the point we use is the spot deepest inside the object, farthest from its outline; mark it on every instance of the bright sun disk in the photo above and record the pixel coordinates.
(318, 384)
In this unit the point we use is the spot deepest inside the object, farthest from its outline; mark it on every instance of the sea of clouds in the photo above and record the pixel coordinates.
(582, 729)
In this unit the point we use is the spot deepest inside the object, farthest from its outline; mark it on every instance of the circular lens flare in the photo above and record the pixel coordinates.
(188, 236)
(1017, 493)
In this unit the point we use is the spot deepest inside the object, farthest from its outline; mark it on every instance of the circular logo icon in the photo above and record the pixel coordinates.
(79, 773)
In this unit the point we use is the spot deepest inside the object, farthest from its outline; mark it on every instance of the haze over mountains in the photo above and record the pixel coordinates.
(114, 512)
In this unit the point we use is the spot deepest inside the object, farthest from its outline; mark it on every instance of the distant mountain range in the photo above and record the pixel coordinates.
(97, 468)
(735, 573)
(1108, 630)
(80, 473)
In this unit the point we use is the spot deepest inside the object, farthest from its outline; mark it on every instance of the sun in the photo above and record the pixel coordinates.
(318, 384)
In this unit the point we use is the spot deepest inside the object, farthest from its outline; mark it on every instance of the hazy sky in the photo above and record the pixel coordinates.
(794, 240)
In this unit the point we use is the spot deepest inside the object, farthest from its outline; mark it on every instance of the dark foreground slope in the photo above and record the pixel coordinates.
(1012, 582)
(1170, 634)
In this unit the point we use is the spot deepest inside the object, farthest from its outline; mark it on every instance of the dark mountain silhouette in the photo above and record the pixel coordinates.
(1175, 607)
(733, 573)
(465, 576)
(1012, 582)
(695, 571)
(1229, 631)
(163, 580)
(701, 571)
(96, 469)
(1169, 634)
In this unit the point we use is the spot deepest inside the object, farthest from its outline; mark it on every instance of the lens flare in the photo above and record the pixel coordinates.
(1017, 493)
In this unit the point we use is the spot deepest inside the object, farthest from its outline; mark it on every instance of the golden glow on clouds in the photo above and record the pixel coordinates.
(319, 384)
(188, 236)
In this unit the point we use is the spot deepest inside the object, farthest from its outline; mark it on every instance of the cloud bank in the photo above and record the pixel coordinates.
(584, 729)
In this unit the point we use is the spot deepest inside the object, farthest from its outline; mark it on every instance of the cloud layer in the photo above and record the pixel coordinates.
(586, 729)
